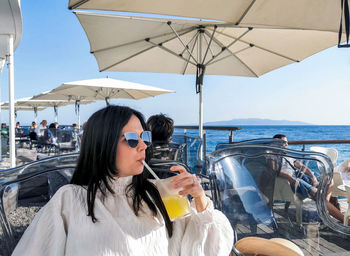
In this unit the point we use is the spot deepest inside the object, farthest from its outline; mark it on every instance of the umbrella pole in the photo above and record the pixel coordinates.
(36, 115)
(77, 111)
(199, 87)
(10, 63)
(56, 113)
(79, 117)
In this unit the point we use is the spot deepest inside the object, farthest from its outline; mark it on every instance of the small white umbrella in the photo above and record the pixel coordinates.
(77, 100)
(5, 106)
(101, 89)
(107, 88)
(37, 104)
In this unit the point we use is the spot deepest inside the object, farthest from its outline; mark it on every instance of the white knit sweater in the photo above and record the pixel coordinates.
(62, 227)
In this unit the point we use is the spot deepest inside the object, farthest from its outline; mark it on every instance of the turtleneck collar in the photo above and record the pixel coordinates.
(119, 184)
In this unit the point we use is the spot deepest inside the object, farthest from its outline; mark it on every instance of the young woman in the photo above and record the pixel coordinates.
(112, 209)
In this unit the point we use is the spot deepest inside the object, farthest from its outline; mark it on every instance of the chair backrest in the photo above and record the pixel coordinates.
(243, 178)
(169, 151)
(24, 190)
(263, 141)
(65, 140)
(191, 146)
(332, 153)
(64, 136)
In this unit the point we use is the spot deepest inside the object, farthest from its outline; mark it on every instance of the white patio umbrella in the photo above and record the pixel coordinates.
(124, 43)
(10, 37)
(71, 99)
(323, 15)
(35, 105)
(101, 89)
(5, 106)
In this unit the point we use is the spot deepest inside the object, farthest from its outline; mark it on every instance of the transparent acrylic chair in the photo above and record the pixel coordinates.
(243, 182)
(24, 190)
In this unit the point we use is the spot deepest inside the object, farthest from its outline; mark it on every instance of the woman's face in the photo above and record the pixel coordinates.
(129, 160)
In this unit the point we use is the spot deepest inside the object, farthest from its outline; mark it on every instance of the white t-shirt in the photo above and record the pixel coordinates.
(342, 168)
(40, 130)
(62, 227)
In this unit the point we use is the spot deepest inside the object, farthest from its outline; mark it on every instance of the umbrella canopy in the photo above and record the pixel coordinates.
(301, 14)
(5, 106)
(124, 43)
(102, 89)
(34, 104)
(99, 89)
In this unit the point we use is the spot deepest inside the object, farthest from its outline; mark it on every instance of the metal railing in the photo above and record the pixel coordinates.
(313, 142)
(230, 129)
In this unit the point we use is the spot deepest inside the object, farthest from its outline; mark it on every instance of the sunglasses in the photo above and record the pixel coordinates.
(133, 139)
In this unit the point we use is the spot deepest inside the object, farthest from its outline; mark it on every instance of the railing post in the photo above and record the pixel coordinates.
(186, 148)
(230, 137)
(204, 144)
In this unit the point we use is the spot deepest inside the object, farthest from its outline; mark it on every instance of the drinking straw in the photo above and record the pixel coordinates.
(150, 170)
(156, 177)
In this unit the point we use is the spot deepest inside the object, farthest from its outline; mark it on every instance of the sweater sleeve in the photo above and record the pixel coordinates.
(46, 235)
(205, 233)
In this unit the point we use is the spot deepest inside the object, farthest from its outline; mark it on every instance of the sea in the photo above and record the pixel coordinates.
(293, 132)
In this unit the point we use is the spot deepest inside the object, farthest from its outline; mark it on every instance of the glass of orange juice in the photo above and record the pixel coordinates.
(177, 206)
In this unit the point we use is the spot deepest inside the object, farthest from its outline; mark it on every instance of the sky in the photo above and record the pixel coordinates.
(54, 49)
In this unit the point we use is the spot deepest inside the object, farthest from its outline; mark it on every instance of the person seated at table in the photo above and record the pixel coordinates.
(41, 128)
(32, 128)
(303, 180)
(51, 134)
(344, 169)
(110, 208)
(162, 128)
(19, 131)
(4, 130)
(32, 132)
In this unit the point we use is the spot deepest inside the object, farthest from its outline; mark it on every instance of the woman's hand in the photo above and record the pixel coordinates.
(190, 184)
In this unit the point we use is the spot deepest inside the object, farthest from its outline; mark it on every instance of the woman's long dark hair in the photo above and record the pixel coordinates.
(96, 166)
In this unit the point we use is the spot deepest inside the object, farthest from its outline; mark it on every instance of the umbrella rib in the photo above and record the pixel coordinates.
(131, 56)
(178, 37)
(262, 48)
(219, 43)
(131, 96)
(77, 4)
(245, 12)
(189, 43)
(211, 39)
(206, 40)
(194, 44)
(145, 50)
(223, 48)
(138, 41)
(217, 60)
(170, 51)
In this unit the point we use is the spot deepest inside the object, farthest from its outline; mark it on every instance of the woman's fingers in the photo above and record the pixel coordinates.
(195, 190)
(189, 182)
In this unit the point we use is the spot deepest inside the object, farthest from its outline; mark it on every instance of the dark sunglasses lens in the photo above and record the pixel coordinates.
(132, 143)
(147, 138)
(132, 139)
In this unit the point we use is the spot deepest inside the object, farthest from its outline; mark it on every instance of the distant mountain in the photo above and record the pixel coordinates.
(255, 121)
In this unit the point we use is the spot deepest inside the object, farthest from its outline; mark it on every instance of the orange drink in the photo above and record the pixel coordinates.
(176, 206)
